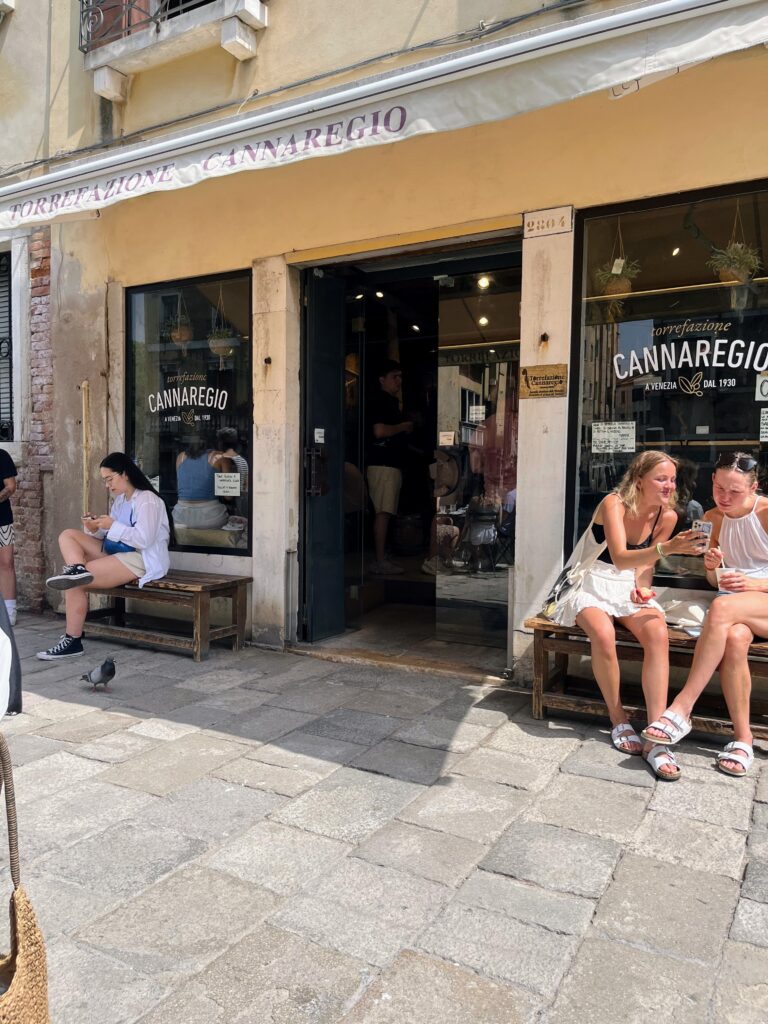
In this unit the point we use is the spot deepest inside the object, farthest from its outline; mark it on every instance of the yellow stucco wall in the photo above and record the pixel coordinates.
(684, 132)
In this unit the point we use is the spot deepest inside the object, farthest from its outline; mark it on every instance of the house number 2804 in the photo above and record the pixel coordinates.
(548, 222)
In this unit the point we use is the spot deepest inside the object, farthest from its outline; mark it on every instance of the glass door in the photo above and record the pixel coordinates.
(475, 472)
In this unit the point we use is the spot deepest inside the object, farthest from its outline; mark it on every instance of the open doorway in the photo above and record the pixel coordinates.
(427, 396)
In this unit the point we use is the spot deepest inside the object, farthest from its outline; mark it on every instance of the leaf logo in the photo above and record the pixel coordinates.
(188, 417)
(692, 386)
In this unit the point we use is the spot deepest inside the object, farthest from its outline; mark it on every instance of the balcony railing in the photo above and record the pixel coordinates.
(102, 21)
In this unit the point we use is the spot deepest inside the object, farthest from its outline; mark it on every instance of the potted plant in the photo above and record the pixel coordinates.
(222, 342)
(736, 262)
(179, 329)
(616, 276)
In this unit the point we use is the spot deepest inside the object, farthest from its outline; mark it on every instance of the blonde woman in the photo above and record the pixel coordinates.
(740, 542)
(635, 523)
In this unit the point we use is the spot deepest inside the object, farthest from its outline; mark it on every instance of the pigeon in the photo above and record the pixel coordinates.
(102, 674)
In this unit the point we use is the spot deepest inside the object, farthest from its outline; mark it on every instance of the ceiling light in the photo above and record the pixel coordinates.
(676, 250)
(359, 296)
(492, 351)
(379, 295)
(483, 282)
(483, 321)
(415, 327)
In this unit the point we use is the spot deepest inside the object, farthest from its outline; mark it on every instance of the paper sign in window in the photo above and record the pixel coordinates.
(613, 437)
(227, 485)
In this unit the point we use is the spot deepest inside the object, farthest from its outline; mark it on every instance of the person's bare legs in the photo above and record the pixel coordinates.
(77, 547)
(7, 574)
(380, 528)
(749, 609)
(107, 571)
(605, 665)
(651, 631)
(736, 683)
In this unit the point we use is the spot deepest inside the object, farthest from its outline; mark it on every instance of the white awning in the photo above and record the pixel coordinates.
(487, 83)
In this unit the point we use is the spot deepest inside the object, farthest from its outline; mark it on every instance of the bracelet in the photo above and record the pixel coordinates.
(660, 550)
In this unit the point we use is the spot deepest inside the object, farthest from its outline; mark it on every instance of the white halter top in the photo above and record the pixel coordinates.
(744, 543)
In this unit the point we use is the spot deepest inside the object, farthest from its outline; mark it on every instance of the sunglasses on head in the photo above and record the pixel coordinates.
(743, 463)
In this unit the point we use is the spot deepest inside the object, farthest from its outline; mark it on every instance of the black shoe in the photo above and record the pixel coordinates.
(67, 647)
(70, 576)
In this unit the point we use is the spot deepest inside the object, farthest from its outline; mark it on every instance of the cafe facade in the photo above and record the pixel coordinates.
(237, 278)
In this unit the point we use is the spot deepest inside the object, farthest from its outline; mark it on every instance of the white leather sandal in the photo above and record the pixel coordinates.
(659, 755)
(673, 733)
(739, 752)
(624, 733)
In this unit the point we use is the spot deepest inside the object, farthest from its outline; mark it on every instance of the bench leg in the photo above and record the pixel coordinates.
(239, 615)
(540, 674)
(119, 607)
(202, 626)
(561, 672)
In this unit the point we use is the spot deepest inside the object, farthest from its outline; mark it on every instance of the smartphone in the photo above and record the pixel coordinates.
(702, 526)
(89, 516)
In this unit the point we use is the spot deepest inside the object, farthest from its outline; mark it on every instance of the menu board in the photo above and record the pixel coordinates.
(613, 437)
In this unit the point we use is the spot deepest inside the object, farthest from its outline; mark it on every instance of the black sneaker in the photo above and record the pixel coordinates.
(67, 647)
(70, 576)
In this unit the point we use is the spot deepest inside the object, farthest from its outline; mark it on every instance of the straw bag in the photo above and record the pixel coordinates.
(23, 970)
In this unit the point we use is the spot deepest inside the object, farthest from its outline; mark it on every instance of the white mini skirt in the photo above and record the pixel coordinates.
(604, 587)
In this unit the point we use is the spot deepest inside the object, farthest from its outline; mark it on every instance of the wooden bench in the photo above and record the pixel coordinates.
(189, 589)
(554, 690)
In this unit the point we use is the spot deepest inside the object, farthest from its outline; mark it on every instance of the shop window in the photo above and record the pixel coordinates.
(6, 350)
(674, 348)
(190, 406)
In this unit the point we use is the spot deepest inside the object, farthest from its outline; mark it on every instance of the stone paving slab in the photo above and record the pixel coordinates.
(178, 925)
(317, 697)
(555, 858)
(163, 728)
(419, 988)
(115, 748)
(716, 804)
(62, 907)
(25, 748)
(220, 680)
(88, 986)
(472, 808)
(211, 809)
(594, 806)
(354, 726)
(558, 912)
(750, 923)
(405, 761)
(173, 764)
(246, 771)
(443, 733)
(155, 852)
(306, 752)
(439, 856)
(501, 947)
(161, 700)
(349, 804)
(269, 976)
(508, 769)
(51, 774)
(598, 759)
(697, 908)
(550, 741)
(395, 705)
(755, 886)
(483, 713)
(92, 726)
(762, 787)
(741, 995)
(282, 859)
(266, 724)
(364, 910)
(611, 982)
(697, 844)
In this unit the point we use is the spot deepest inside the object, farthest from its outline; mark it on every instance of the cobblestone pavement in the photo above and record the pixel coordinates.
(271, 839)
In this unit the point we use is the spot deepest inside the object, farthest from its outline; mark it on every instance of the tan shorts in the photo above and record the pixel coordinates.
(384, 483)
(133, 560)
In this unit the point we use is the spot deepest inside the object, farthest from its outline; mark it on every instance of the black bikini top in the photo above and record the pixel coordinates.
(599, 534)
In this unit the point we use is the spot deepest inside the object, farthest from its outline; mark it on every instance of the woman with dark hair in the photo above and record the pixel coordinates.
(128, 544)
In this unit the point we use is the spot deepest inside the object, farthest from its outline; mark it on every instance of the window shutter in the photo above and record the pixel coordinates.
(6, 350)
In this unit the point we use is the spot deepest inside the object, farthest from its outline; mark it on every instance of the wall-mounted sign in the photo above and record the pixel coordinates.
(555, 221)
(319, 435)
(613, 437)
(446, 437)
(550, 381)
(227, 485)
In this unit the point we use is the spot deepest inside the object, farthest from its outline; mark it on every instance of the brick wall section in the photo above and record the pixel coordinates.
(37, 445)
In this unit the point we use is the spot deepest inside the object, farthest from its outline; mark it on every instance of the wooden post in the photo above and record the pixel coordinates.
(85, 395)
(540, 673)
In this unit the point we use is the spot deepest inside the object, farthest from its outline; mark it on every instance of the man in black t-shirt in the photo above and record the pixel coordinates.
(387, 436)
(8, 475)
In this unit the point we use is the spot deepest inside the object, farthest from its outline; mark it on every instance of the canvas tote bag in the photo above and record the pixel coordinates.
(583, 557)
(23, 972)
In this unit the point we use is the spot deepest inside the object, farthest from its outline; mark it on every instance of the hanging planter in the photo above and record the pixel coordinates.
(738, 261)
(222, 340)
(616, 276)
(179, 328)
